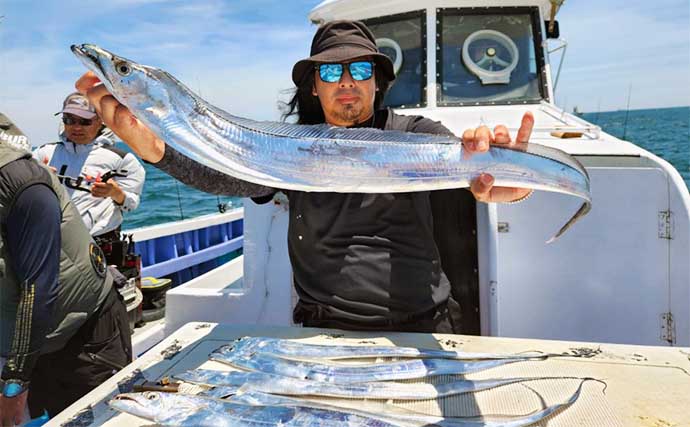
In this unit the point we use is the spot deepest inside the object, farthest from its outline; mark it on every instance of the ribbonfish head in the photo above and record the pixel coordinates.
(155, 406)
(144, 90)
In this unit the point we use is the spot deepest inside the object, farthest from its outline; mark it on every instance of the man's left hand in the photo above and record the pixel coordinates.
(12, 409)
(479, 140)
(108, 189)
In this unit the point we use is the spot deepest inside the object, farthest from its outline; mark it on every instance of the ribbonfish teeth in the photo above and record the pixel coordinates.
(295, 349)
(321, 157)
(413, 419)
(344, 374)
(228, 383)
(172, 409)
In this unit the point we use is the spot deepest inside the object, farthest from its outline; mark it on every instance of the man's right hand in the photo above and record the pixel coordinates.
(120, 120)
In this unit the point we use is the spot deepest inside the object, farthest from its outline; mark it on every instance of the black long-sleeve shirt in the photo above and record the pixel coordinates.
(32, 236)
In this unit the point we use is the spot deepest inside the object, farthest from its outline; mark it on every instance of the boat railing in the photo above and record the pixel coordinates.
(185, 249)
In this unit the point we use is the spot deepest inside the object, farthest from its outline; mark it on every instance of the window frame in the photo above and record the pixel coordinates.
(537, 37)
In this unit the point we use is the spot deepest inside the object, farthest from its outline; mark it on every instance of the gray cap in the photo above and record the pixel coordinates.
(79, 105)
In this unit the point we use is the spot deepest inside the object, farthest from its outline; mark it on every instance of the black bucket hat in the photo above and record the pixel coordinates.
(339, 41)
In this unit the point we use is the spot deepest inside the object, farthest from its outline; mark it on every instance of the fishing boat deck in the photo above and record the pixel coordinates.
(645, 385)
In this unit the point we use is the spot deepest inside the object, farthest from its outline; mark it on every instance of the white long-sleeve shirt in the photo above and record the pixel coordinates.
(100, 214)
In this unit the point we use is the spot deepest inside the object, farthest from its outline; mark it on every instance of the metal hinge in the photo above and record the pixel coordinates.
(668, 328)
(665, 225)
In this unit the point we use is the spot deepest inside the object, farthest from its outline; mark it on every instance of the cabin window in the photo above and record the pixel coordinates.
(403, 38)
(489, 56)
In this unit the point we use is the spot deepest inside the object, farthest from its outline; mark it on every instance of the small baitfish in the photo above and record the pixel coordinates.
(346, 374)
(321, 157)
(172, 409)
(295, 349)
(228, 383)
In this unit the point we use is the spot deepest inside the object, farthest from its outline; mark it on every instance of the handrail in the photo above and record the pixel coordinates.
(195, 258)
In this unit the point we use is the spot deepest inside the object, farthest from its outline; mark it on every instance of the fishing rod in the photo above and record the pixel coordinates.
(75, 182)
(627, 111)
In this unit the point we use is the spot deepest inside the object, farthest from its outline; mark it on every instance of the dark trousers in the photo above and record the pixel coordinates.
(100, 348)
(443, 320)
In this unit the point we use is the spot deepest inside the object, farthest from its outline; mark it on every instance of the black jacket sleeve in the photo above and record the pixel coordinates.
(419, 124)
(206, 179)
(32, 235)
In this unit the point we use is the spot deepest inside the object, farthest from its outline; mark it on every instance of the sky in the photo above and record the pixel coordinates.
(238, 54)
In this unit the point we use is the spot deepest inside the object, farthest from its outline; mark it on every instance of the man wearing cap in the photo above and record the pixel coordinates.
(360, 261)
(63, 326)
(83, 154)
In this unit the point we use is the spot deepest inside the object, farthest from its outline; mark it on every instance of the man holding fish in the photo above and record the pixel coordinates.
(360, 261)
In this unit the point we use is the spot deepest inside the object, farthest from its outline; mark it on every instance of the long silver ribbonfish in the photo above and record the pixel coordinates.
(321, 157)
(295, 349)
(227, 383)
(408, 418)
(360, 373)
(172, 409)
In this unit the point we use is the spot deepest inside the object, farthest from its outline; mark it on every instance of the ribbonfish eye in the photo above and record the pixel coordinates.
(151, 396)
(123, 69)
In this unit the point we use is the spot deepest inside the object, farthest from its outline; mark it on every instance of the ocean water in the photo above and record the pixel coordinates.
(664, 132)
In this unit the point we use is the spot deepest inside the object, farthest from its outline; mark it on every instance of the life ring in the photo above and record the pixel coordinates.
(392, 44)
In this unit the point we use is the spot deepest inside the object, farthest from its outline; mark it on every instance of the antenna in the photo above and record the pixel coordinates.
(627, 111)
(596, 118)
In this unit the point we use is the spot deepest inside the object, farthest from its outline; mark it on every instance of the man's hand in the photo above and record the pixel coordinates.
(12, 409)
(120, 120)
(108, 189)
(479, 140)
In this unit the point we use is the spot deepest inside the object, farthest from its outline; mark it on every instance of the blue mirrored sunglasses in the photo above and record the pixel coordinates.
(360, 70)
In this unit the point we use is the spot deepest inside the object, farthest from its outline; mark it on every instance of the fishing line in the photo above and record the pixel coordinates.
(179, 199)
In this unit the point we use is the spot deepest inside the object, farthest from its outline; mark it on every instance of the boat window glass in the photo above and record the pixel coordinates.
(489, 56)
(403, 38)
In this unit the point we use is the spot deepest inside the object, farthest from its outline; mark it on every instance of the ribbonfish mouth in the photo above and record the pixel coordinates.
(321, 157)
(228, 383)
(347, 374)
(295, 349)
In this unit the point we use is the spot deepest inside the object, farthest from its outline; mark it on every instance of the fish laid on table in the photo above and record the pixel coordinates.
(403, 417)
(228, 383)
(360, 373)
(321, 157)
(172, 409)
(295, 349)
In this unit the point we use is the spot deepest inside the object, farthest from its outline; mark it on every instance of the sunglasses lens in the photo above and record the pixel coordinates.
(361, 70)
(330, 73)
(74, 120)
